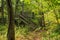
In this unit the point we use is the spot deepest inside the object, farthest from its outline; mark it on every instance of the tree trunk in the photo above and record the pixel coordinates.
(22, 8)
(41, 13)
(55, 12)
(11, 29)
(2, 11)
(42, 21)
(16, 6)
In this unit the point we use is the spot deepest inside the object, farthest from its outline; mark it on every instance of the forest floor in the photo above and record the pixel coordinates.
(43, 35)
(24, 34)
(30, 36)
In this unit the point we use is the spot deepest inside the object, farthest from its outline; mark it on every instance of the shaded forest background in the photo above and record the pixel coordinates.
(29, 19)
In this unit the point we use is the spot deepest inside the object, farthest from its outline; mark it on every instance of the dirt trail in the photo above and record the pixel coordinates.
(30, 36)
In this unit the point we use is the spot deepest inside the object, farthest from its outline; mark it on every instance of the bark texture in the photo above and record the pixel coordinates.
(11, 31)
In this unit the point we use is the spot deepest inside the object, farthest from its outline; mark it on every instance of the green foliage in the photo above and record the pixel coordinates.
(36, 7)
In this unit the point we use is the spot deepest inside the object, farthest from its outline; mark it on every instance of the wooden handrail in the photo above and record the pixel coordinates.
(28, 21)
